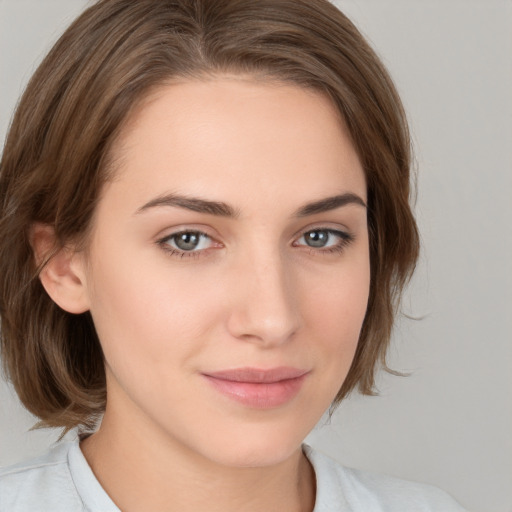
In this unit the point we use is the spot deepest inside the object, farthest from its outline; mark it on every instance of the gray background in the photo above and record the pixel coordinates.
(450, 422)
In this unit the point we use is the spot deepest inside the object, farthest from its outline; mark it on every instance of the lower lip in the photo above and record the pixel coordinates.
(259, 395)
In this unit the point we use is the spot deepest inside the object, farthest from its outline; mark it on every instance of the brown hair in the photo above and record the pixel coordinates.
(55, 162)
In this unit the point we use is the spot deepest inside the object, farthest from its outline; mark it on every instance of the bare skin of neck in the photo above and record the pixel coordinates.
(141, 472)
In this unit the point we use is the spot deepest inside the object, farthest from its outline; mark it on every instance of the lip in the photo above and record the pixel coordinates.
(258, 388)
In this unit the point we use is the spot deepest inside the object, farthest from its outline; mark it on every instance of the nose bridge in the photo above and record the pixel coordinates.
(266, 306)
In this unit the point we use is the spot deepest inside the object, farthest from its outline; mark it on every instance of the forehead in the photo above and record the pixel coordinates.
(238, 136)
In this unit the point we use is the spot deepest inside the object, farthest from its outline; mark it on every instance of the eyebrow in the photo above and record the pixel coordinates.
(221, 209)
(195, 204)
(329, 203)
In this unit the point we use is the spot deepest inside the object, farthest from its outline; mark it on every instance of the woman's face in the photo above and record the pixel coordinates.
(228, 270)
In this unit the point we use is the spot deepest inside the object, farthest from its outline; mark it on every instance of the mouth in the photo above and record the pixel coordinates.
(257, 388)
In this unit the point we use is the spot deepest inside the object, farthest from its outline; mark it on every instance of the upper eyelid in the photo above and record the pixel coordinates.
(164, 243)
(206, 231)
(327, 226)
(170, 232)
(345, 235)
(299, 233)
(181, 231)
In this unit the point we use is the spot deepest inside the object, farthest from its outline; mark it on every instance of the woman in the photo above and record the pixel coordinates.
(212, 199)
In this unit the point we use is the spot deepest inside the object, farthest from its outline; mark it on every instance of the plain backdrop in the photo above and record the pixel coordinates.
(450, 422)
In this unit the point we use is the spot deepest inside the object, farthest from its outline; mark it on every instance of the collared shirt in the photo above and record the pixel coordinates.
(62, 481)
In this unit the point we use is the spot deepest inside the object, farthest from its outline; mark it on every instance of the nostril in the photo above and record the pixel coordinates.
(267, 316)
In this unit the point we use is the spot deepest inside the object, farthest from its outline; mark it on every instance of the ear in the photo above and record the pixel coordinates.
(63, 275)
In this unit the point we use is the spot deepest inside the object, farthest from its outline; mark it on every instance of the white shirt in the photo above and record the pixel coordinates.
(62, 481)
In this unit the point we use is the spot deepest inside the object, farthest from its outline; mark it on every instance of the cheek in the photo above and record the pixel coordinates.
(335, 312)
(143, 315)
(338, 301)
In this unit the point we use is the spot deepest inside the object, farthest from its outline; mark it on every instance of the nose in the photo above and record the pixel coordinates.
(264, 306)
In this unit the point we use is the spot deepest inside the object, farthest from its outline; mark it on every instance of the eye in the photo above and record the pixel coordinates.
(186, 242)
(328, 240)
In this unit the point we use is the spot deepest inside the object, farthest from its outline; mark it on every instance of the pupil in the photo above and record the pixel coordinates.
(316, 238)
(187, 241)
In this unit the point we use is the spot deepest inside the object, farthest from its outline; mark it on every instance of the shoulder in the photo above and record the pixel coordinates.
(341, 489)
(44, 483)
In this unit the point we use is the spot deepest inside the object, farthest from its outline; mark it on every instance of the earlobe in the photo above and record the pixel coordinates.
(62, 274)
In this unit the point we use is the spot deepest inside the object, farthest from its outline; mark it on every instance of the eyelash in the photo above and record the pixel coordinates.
(345, 239)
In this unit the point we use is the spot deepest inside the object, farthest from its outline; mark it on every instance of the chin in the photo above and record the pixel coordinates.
(257, 456)
(255, 446)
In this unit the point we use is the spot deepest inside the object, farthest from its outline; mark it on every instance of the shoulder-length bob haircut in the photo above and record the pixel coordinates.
(56, 160)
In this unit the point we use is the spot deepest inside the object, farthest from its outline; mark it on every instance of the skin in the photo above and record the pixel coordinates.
(254, 293)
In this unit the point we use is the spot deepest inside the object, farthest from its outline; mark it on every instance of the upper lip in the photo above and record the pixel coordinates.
(258, 375)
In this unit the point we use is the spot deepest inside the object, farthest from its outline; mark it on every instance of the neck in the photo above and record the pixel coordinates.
(152, 471)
